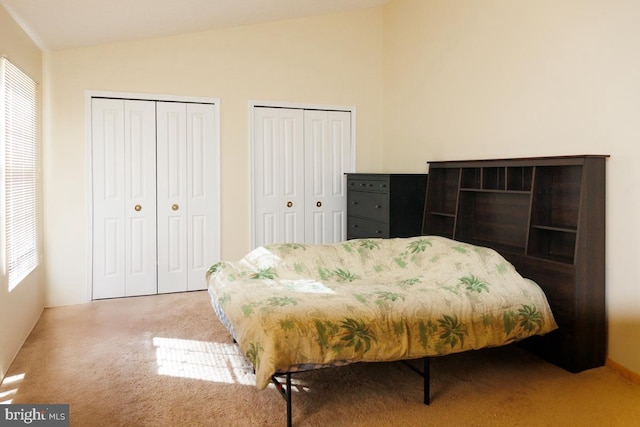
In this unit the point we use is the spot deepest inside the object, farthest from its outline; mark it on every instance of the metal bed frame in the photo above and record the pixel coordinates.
(285, 389)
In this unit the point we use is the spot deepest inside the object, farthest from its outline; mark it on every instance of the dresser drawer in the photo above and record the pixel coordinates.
(384, 205)
(366, 184)
(360, 228)
(369, 205)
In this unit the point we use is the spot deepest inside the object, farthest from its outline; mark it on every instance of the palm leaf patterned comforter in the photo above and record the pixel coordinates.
(291, 306)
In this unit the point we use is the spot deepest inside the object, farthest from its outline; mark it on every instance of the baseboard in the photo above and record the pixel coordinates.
(625, 372)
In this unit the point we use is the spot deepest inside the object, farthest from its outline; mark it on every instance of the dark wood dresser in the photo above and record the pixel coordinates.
(385, 205)
(547, 217)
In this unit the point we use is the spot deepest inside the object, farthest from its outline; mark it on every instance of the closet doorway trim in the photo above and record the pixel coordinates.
(253, 104)
(88, 96)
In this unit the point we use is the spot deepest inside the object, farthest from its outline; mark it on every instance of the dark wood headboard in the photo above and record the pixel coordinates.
(545, 215)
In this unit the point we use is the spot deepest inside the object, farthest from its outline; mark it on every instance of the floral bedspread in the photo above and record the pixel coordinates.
(289, 305)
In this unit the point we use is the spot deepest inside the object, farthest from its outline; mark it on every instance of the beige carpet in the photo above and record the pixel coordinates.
(166, 361)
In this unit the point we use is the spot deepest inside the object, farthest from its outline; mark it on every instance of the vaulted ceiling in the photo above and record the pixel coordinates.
(63, 24)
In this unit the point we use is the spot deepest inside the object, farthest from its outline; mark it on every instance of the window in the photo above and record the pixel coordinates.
(19, 167)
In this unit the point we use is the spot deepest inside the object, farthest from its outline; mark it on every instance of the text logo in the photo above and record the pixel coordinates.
(34, 415)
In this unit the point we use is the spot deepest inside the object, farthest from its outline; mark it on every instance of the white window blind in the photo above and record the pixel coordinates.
(18, 141)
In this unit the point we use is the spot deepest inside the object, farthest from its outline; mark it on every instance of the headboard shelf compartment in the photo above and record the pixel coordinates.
(546, 215)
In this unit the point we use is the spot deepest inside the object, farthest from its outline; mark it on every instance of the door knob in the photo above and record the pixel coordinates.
(318, 204)
(175, 207)
(289, 204)
(137, 208)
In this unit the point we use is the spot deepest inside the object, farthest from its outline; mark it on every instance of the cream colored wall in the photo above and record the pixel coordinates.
(498, 78)
(335, 59)
(20, 308)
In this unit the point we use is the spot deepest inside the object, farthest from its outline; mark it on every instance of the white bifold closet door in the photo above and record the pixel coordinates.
(152, 209)
(124, 198)
(299, 160)
(327, 142)
(186, 233)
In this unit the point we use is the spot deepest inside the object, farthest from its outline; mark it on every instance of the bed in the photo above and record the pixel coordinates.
(295, 307)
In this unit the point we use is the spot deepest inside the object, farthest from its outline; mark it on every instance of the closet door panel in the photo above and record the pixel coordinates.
(107, 137)
(291, 177)
(328, 157)
(140, 188)
(123, 167)
(172, 196)
(266, 152)
(201, 200)
(278, 179)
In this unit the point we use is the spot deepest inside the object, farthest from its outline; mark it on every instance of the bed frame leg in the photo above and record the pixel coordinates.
(426, 377)
(289, 421)
(286, 393)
